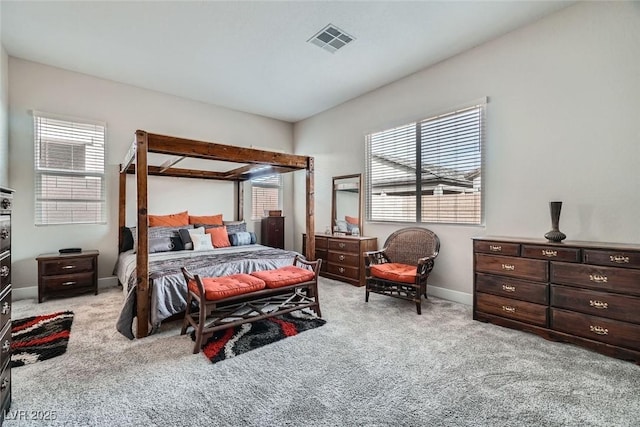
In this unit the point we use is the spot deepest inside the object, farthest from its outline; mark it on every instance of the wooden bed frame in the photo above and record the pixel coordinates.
(136, 163)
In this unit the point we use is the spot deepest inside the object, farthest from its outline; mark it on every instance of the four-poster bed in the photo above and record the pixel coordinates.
(254, 162)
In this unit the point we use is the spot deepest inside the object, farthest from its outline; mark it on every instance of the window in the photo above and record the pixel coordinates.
(69, 171)
(428, 171)
(265, 195)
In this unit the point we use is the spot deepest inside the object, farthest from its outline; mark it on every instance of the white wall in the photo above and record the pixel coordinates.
(124, 108)
(563, 123)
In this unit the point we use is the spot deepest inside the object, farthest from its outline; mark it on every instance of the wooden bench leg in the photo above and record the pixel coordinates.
(187, 315)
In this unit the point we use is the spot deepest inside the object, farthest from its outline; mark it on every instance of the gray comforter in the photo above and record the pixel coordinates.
(166, 282)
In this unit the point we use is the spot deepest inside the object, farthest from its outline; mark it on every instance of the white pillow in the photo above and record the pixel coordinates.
(201, 242)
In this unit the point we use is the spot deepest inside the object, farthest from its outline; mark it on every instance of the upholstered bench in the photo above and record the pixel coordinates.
(232, 300)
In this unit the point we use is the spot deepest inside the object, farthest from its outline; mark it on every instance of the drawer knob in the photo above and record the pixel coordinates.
(68, 283)
(619, 259)
(598, 278)
(4, 234)
(508, 267)
(598, 304)
(495, 248)
(6, 308)
(341, 269)
(6, 346)
(5, 383)
(341, 257)
(4, 271)
(341, 245)
(6, 203)
(66, 267)
(508, 309)
(549, 253)
(508, 288)
(599, 330)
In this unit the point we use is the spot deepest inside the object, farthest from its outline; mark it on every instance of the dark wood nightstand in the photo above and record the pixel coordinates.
(65, 275)
(272, 231)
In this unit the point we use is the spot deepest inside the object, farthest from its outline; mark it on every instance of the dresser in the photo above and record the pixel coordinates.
(585, 293)
(272, 231)
(341, 256)
(65, 275)
(6, 202)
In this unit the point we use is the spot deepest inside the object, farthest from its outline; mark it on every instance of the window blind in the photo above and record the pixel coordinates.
(428, 171)
(265, 195)
(69, 171)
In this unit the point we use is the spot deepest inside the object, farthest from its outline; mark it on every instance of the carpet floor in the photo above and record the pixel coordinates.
(371, 364)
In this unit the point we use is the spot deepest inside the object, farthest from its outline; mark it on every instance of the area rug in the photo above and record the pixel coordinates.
(235, 341)
(40, 338)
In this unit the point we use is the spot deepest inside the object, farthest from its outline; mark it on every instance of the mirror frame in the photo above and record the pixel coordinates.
(333, 199)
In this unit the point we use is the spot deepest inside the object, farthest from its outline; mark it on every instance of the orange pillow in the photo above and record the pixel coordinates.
(173, 220)
(351, 219)
(207, 220)
(219, 236)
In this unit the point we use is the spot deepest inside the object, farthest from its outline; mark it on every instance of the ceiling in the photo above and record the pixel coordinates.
(254, 56)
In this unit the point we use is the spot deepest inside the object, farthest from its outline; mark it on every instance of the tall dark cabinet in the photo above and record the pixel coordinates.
(6, 201)
(272, 231)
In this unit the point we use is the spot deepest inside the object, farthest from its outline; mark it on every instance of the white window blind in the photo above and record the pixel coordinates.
(69, 171)
(265, 195)
(428, 171)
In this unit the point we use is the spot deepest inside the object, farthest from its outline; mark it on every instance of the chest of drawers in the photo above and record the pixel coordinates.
(63, 275)
(6, 202)
(342, 257)
(272, 231)
(586, 293)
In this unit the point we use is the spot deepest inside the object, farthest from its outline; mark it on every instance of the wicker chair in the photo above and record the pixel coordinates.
(402, 267)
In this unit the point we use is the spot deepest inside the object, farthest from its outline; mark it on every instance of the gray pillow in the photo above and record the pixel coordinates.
(242, 238)
(160, 244)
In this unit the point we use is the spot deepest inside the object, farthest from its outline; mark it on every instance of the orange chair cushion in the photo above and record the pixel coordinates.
(395, 272)
(172, 220)
(284, 276)
(217, 288)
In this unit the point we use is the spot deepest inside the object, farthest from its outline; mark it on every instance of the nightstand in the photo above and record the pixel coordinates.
(65, 275)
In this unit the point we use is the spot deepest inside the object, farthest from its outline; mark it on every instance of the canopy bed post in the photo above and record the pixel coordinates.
(240, 203)
(121, 203)
(142, 254)
(311, 240)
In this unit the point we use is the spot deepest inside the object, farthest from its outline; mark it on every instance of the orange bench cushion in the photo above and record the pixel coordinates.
(395, 272)
(284, 276)
(217, 288)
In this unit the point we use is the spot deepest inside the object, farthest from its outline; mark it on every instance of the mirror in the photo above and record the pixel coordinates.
(346, 204)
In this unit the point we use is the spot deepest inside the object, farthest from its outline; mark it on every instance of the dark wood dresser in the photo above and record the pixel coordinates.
(585, 293)
(6, 202)
(341, 256)
(65, 275)
(272, 231)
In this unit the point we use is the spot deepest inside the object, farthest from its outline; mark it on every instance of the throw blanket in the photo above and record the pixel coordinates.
(167, 285)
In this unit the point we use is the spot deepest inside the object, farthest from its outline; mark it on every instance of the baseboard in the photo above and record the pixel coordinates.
(31, 292)
(448, 294)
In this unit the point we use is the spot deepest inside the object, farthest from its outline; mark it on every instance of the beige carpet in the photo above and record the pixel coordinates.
(375, 364)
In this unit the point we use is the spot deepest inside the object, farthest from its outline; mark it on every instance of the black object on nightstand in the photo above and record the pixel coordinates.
(67, 274)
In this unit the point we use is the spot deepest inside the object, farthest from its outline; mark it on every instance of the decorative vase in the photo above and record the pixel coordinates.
(555, 235)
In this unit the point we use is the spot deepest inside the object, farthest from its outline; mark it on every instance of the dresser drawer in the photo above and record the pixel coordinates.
(513, 288)
(5, 270)
(5, 233)
(522, 311)
(596, 277)
(69, 282)
(551, 252)
(603, 304)
(499, 248)
(322, 254)
(5, 344)
(348, 272)
(614, 332)
(321, 243)
(344, 259)
(5, 384)
(612, 258)
(344, 246)
(5, 305)
(532, 269)
(67, 266)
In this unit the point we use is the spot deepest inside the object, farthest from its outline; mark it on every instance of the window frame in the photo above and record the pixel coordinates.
(262, 182)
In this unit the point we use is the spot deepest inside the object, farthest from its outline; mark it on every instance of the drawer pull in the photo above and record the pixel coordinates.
(549, 253)
(6, 308)
(598, 278)
(66, 267)
(508, 309)
(495, 248)
(6, 346)
(68, 283)
(4, 271)
(4, 233)
(599, 330)
(619, 259)
(598, 304)
(6, 203)
(508, 288)
(341, 269)
(341, 257)
(5, 383)
(341, 245)
(508, 267)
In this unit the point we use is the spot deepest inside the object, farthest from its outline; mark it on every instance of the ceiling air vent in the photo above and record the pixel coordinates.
(331, 38)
